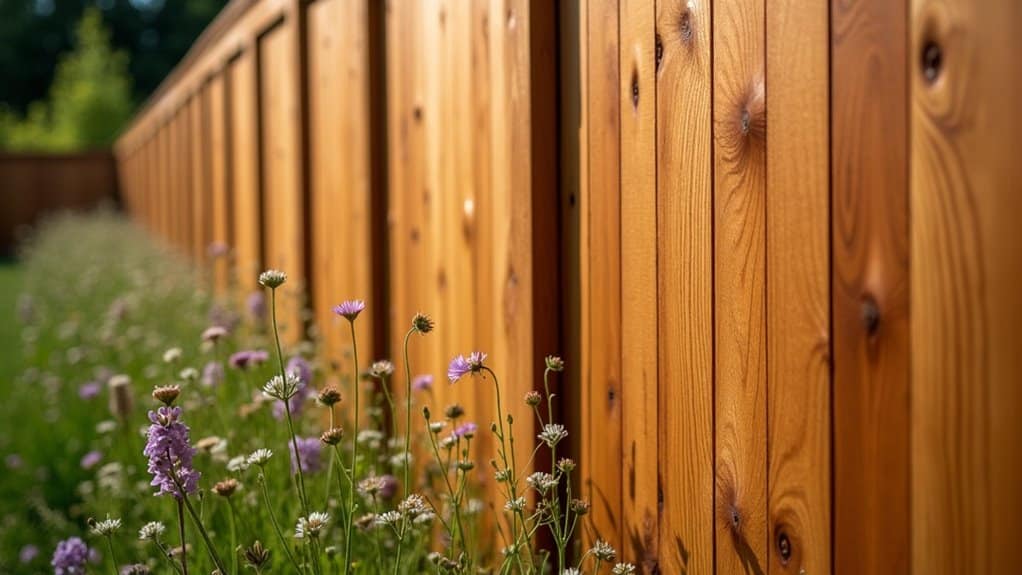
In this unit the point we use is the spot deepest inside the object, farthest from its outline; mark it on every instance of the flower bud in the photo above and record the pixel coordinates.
(226, 488)
(533, 398)
(422, 323)
(332, 436)
(272, 279)
(329, 396)
(166, 394)
(554, 363)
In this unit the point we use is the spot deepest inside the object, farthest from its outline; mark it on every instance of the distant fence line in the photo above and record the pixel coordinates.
(33, 185)
(778, 249)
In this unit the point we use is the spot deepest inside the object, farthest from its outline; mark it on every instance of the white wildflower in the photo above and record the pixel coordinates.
(312, 525)
(260, 457)
(623, 569)
(282, 388)
(106, 527)
(552, 434)
(151, 531)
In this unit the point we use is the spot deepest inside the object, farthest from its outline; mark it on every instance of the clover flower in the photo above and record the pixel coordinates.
(227, 487)
(312, 526)
(70, 557)
(332, 436)
(413, 505)
(272, 279)
(371, 486)
(151, 531)
(309, 448)
(170, 453)
(554, 363)
(350, 309)
(461, 366)
(329, 396)
(552, 434)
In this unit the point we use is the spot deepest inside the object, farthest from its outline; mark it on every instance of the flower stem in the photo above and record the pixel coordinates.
(276, 526)
(234, 537)
(166, 553)
(113, 559)
(205, 536)
(184, 544)
(354, 455)
(300, 482)
(408, 419)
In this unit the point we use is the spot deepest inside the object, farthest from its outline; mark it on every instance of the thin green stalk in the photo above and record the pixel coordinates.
(113, 559)
(166, 553)
(234, 537)
(408, 418)
(276, 526)
(354, 456)
(300, 483)
(184, 543)
(205, 536)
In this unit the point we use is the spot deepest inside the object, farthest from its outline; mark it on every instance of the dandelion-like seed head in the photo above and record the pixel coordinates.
(106, 527)
(272, 279)
(603, 551)
(260, 457)
(461, 366)
(151, 531)
(623, 569)
(329, 396)
(166, 394)
(552, 434)
(312, 526)
(381, 369)
(350, 309)
(422, 323)
(282, 388)
(554, 363)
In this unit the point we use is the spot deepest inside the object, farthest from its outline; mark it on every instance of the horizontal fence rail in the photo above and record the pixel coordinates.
(774, 240)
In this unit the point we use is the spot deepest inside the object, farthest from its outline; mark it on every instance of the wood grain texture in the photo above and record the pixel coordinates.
(198, 172)
(281, 165)
(869, 179)
(601, 475)
(340, 180)
(966, 267)
(637, 95)
(219, 202)
(798, 288)
(244, 165)
(685, 285)
(739, 133)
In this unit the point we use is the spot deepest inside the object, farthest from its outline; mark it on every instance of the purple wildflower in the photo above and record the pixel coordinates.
(70, 557)
(298, 366)
(28, 553)
(309, 449)
(422, 382)
(462, 366)
(91, 459)
(214, 333)
(212, 374)
(256, 304)
(388, 487)
(248, 358)
(467, 429)
(350, 309)
(89, 390)
(169, 452)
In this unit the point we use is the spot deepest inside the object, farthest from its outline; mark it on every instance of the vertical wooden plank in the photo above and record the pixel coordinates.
(340, 181)
(639, 281)
(739, 116)
(685, 284)
(281, 165)
(798, 288)
(244, 164)
(966, 266)
(869, 178)
(602, 320)
(185, 198)
(199, 186)
(217, 223)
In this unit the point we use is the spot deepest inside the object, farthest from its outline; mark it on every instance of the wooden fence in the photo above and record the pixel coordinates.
(776, 246)
(33, 185)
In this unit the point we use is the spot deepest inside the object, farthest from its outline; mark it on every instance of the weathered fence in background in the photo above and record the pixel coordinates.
(33, 185)
(777, 246)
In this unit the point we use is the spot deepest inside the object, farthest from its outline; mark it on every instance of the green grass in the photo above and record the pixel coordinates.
(11, 277)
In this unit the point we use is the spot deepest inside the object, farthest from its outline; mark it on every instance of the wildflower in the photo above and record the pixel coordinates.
(350, 309)
(475, 506)
(371, 486)
(554, 363)
(623, 569)
(454, 411)
(214, 333)
(212, 374)
(300, 369)
(237, 464)
(381, 369)
(312, 525)
(256, 305)
(28, 553)
(106, 426)
(260, 457)
(211, 444)
(135, 569)
(309, 449)
(226, 488)
(166, 394)
(366, 521)
(466, 430)
(552, 434)
(389, 518)
(571, 571)
(502, 475)
(329, 396)
(422, 382)
(248, 358)
(532, 399)
(189, 374)
(121, 400)
(170, 454)
(89, 390)
(272, 279)
(172, 355)
(579, 506)
(256, 555)
(422, 323)
(388, 486)
(151, 531)
(106, 527)
(566, 465)
(91, 459)
(332, 436)
(373, 437)
(541, 481)
(413, 505)
(603, 551)
(437, 426)
(70, 557)
(517, 504)
(461, 366)
(282, 388)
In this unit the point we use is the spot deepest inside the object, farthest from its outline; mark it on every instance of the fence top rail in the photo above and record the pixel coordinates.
(234, 29)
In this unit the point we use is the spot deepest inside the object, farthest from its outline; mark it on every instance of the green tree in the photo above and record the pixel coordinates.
(89, 101)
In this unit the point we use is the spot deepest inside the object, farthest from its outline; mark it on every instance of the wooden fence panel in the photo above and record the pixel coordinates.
(869, 238)
(217, 224)
(965, 179)
(244, 168)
